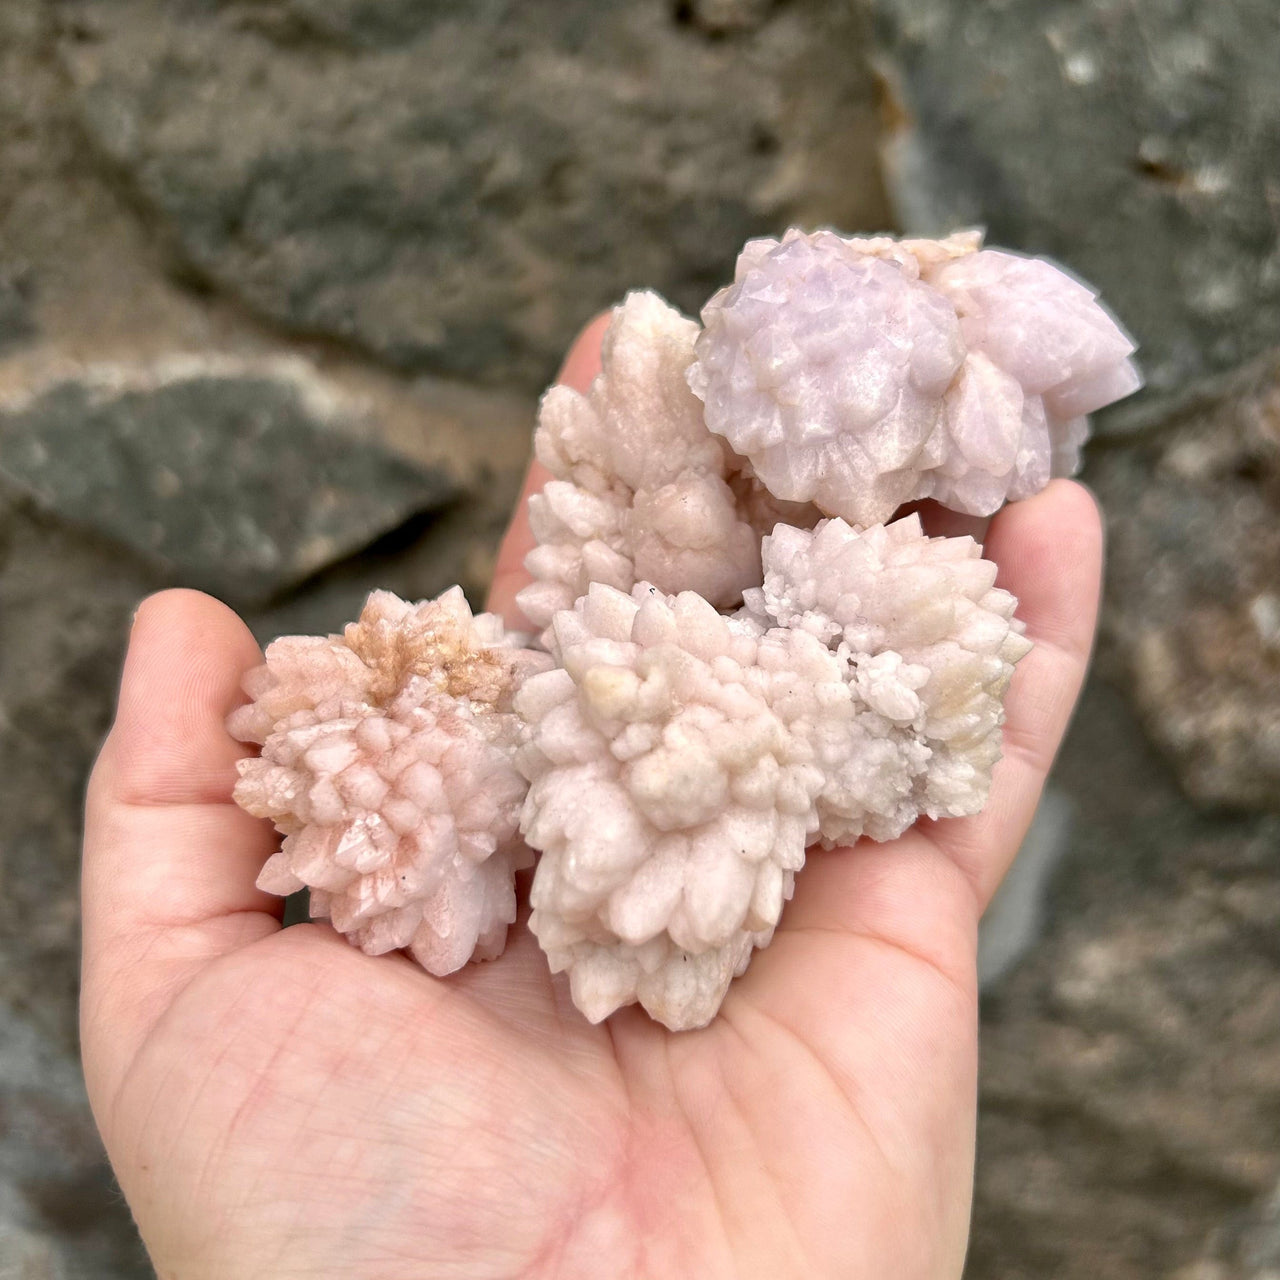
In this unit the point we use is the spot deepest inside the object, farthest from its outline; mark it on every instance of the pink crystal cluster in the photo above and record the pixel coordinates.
(859, 688)
(861, 374)
(742, 656)
(386, 760)
(641, 490)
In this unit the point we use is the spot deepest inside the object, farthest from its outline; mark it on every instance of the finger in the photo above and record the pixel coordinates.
(1049, 552)
(510, 576)
(873, 967)
(580, 367)
(941, 522)
(169, 860)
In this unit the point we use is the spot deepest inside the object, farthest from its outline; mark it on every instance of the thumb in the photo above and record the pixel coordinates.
(169, 860)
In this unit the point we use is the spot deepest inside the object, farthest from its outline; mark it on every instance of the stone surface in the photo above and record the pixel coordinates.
(16, 322)
(1131, 1062)
(61, 654)
(1193, 615)
(1014, 918)
(239, 478)
(60, 1215)
(59, 1209)
(1246, 1247)
(1137, 143)
(461, 189)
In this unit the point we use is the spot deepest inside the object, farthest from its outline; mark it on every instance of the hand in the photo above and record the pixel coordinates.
(277, 1104)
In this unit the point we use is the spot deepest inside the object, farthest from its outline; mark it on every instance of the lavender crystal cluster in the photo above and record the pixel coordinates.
(741, 658)
(863, 374)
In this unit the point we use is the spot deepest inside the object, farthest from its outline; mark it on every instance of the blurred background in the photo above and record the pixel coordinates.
(280, 281)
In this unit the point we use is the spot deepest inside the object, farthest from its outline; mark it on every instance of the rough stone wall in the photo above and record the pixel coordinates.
(279, 281)
(1131, 1063)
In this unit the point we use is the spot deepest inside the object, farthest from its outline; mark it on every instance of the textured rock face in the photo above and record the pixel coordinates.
(1194, 587)
(863, 374)
(240, 478)
(681, 760)
(1138, 142)
(62, 653)
(1131, 1064)
(16, 322)
(386, 763)
(458, 189)
(59, 1209)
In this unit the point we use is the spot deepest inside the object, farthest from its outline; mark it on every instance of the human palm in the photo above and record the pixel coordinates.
(277, 1104)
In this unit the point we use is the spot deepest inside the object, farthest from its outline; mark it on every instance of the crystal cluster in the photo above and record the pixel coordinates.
(642, 491)
(742, 656)
(387, 763)
(859, 688)
(861, 374)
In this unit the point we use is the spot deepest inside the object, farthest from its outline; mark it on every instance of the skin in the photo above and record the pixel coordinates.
(276, 1104)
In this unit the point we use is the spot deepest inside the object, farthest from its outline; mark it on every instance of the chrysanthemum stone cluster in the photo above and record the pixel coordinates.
(642, 491)
(863, 374)
(387, 762)
(859, 688)
(742, 658)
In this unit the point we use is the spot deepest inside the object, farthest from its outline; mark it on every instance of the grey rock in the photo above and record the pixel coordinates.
(17, 322)
(65, 604)
(1130, 1069)
(418, 562)
(60, 1215)
(459, 188)
(1193, 617)
(27, 1256)
(719, 17)
(1014, 918)
(1246, 1247)
(66, 600)
(242, 478)
(1138, 143)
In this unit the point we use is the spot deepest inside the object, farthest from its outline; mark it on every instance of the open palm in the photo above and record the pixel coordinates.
(277, 1104)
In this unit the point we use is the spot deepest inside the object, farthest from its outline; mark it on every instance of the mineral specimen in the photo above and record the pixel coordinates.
(387, 763)
(732, 678)
(642, 490)
(686, 731)
(859, 688)
(861, 374)
(930, 643)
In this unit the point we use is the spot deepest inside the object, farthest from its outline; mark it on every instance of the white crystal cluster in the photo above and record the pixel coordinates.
(747, 658)
(930, 644)
(386, 761)
(642, 491)
(861, 374)
(859, 688)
